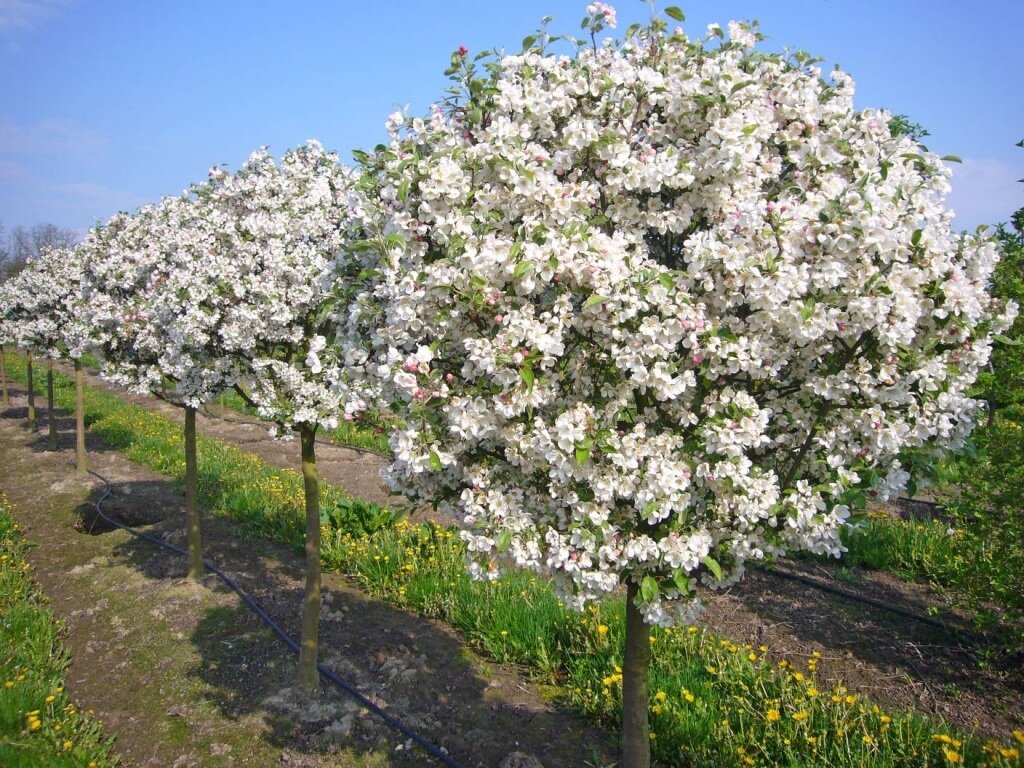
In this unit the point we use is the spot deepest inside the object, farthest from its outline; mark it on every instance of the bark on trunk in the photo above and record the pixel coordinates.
(636, 740)
(51, 415)
(81, 463)
(309, 676)
(3, 375)
(195, 543)
(31, 395)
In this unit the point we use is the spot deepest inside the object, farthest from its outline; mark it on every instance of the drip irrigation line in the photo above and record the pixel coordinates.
(288, 640)
(852, 596)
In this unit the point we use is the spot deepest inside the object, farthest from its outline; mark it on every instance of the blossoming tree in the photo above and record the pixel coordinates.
(282, 279)
(49, 308)
(144, 278)
(661, 307)
(6, 337)
(18, 300)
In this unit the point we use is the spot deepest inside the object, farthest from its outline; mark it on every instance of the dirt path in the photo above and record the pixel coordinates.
(186, 676)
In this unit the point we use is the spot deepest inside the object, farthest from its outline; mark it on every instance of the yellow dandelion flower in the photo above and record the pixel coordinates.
(602, 629)
(800, 716)
(1009, 752)
(690, 698)
(868, 739)
(952, 756)
(772, 715)
(661, 696)
(885, 719)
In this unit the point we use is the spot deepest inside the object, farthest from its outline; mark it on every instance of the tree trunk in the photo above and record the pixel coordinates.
(195, 543)
(309, 676)
(81, 462)
(31, 395)
(3, 375)
(636, 740)
(51, 416)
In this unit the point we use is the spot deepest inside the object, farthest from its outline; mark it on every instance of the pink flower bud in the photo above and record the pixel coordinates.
(499, 319)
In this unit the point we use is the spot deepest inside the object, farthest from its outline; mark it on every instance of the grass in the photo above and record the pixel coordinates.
(369, 434)
(39, 726)
(713, 702)
(976, 555)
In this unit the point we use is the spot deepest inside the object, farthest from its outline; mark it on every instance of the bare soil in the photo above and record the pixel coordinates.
(481, 711)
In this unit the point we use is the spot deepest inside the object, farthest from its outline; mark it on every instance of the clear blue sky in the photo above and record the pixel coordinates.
(109, 104)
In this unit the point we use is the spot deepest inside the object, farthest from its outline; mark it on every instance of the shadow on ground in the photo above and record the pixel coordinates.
(415, 669)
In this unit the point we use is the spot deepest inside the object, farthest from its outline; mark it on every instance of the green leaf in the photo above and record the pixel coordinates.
(648, 589)
(650, 507)
(916, 237)
(1006, 340)
(682, 581)
(526, 373)
(503, 540)
(713, 566)
(583, 452)
(667, 281)
(521, 269)
(749, 129)
(885, 170)
(595, 299)
(675, 13)
(952, 159)
(528, 42)
(435, 462)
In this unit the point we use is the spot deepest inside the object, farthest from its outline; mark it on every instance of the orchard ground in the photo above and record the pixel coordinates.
(182, 675)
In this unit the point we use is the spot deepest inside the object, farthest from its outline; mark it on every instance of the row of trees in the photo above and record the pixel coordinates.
(643, 312)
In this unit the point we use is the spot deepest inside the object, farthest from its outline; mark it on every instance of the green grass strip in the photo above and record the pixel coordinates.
(713, 702)
(370, 435)
(39, 726)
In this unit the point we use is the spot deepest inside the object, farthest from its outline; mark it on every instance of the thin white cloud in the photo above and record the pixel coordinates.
(11, 172)
(99, 199)
(74, 204)
(51, 136)
(27, 14)
(985, 191)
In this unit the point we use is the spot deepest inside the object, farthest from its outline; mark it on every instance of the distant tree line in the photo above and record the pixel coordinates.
(24, 243)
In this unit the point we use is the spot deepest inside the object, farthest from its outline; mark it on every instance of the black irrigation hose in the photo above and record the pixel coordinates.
(388, 718)
(868, 601)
